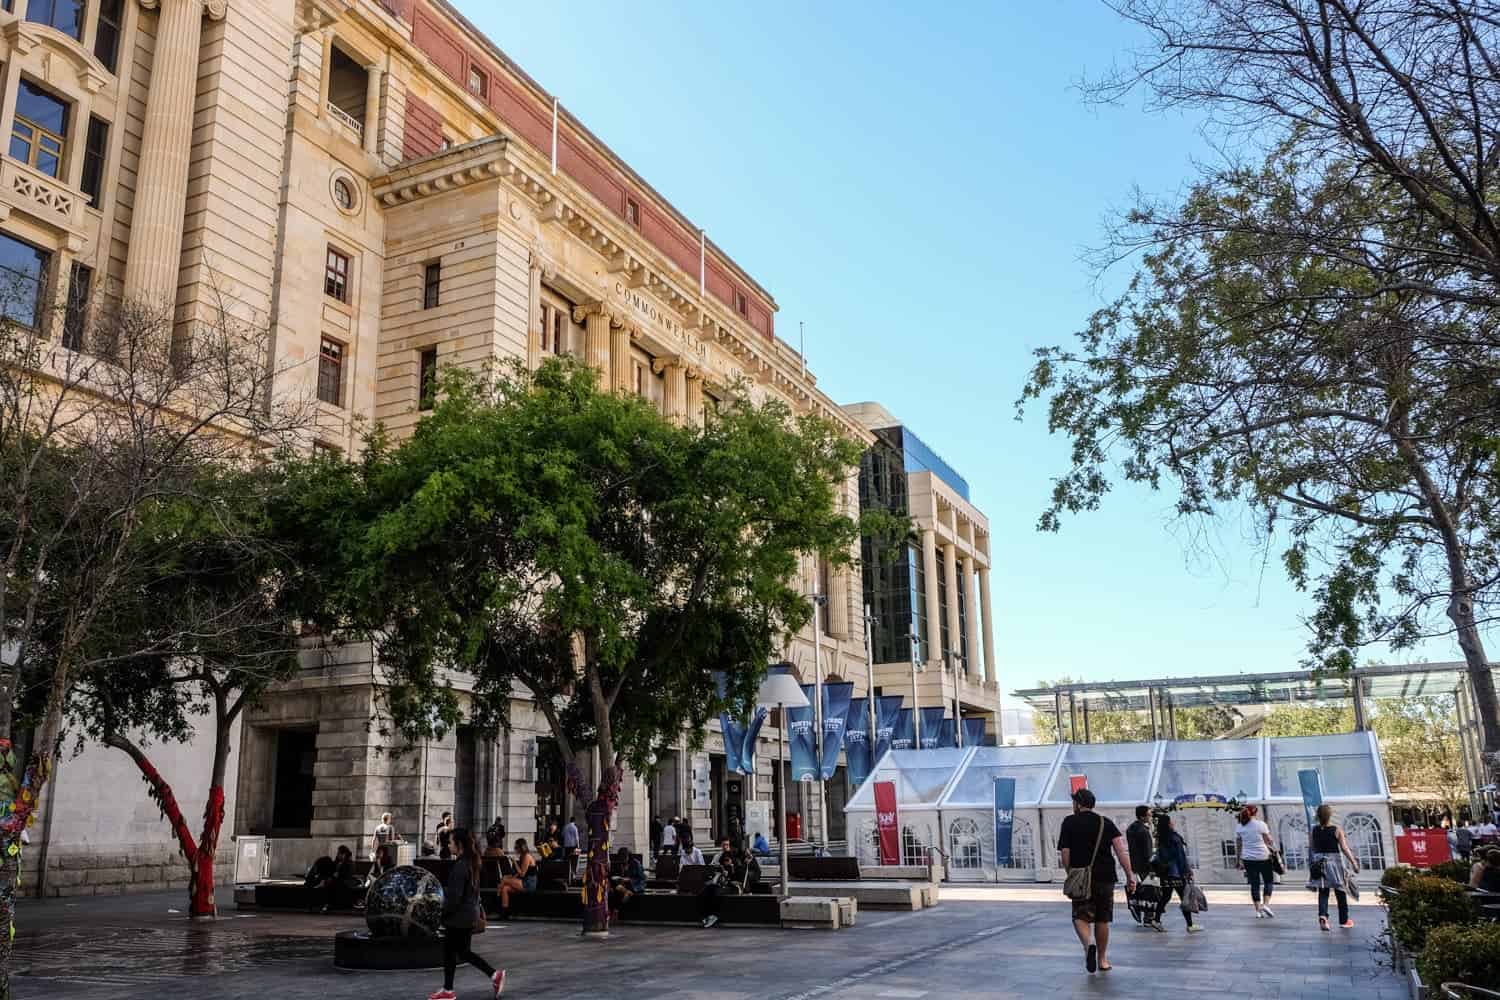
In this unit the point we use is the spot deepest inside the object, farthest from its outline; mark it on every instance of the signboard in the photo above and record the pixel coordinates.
(758, 819)
(857, 741)
(702, 782)
(800, 723)
(1201, 800)
(1422, 848)
(249, 860)
(1005, 819)
(974, 733)
(886, 823)
(904, 732)
(836, 698)
(1312, 794)
(932, 728)
(1077, 781)
(887, 717)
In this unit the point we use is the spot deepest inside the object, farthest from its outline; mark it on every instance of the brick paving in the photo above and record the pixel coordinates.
(980, 942)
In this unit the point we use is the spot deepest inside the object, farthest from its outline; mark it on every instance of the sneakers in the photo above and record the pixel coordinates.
(1347, 924)
(1266, 911)
(710, 920)
(1195, 928)
(498, 981)
(443, 995)
(1259, 915)
(1157, 926)
(1323, 923)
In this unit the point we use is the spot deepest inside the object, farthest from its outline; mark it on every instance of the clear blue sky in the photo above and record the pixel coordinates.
(917, 188)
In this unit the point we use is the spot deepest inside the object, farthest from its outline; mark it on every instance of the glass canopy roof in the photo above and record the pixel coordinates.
(1252, 770)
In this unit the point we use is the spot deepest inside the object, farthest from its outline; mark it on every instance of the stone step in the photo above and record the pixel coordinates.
(876, 895)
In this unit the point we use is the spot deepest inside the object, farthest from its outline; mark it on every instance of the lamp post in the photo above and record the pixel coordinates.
(781, 691)
(916, 705)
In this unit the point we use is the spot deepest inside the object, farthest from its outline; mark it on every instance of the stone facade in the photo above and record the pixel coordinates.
(379, 186)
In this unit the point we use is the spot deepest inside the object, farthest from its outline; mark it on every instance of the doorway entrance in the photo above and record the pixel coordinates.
(292, 794)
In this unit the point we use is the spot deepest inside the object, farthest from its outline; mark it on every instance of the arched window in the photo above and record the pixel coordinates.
(964, 849)
(867, 842)
(1291, 835)
(913, 851)
(1363, 833)
(1022, 846)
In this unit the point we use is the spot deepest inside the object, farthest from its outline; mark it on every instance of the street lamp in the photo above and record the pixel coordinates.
(781, 691)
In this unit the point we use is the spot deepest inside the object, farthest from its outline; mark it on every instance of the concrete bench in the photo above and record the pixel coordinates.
(905, 873)
(650, 908)
(907, 896)
(818, 912)
(823, 869)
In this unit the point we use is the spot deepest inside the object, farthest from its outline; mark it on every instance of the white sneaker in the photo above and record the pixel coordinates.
(710, 920)
(1259, 915)
(1266, 911)
(1194, 928)
(498, 981)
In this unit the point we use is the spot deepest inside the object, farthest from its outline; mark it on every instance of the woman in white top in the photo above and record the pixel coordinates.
(1253, 848)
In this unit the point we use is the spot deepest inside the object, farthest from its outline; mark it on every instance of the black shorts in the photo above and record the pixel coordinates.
(1099, 906)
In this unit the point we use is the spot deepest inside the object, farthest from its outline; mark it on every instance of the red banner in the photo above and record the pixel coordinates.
(1077, 781)
(1422, 848)
(886, 823)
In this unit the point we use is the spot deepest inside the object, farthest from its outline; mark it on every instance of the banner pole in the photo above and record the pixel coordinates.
(870, 681)
(818, 714)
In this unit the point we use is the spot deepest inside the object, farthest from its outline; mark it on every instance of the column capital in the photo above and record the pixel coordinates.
(599, 307)
(215, 9)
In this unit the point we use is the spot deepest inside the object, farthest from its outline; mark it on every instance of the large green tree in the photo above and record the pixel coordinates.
(536, 531)
(1311, 331)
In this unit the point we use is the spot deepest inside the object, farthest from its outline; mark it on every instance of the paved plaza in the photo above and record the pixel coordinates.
(980, 942)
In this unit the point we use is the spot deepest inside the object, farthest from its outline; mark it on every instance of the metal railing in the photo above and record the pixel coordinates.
(344, 118)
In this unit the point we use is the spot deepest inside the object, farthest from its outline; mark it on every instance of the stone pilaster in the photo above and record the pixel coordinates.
(596, 323)
(838, 602)
(166, 144)
(991, 674)
(534, 312)
(372, 109)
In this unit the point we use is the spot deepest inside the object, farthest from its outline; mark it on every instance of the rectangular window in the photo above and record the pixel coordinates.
(331, 372)
(336, 276)
(23, 275)
(64, 15)
(633, 212)
(552, 329)
(39, 135)
(76, 316)
(741, 304)
(107, 33)
(95, 148)
(432, 281)
(479, 84)
(427, 379)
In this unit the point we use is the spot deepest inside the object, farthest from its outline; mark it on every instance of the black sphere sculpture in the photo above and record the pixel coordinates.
(405, 902)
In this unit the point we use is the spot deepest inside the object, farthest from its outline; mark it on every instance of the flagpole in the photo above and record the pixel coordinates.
(817, 600)
(870, 681)
(916, 710)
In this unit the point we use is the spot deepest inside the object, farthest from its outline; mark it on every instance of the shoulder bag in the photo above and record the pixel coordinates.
(1079, 884)
(1278, 866)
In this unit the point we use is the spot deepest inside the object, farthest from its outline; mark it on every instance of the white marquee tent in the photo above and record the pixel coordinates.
(945, 798)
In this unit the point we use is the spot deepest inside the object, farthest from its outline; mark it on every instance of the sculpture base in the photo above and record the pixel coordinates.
(362, 950)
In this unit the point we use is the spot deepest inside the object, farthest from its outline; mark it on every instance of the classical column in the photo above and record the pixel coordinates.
(950, 582)
(934, 608)
(695, 397)
(372, 109)
(596, 323)
(153, 260)
(838, 602)
(674, 390)
(619, 359)
(12, 90)
(991, 674)
(971, 609)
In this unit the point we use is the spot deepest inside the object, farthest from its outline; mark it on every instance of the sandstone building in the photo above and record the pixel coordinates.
(382, 188)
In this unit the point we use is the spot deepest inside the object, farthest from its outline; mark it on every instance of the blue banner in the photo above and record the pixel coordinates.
(904, 732)
(887, 715)
(932, 727)
(836, 698)
(948, 734)
(752, 736)
(1005, 818)
(857, 741)
(800, 734)
(974, 733)
(1312, 794)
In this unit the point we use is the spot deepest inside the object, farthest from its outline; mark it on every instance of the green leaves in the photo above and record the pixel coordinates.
(536, 531)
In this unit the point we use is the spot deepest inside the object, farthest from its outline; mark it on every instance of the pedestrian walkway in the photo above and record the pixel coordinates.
(1013, 942)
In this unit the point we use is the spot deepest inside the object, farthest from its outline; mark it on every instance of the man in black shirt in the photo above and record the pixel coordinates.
(1088, 839)
(1138, 839)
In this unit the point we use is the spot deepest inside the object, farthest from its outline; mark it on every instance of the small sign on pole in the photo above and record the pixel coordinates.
(1005, 819)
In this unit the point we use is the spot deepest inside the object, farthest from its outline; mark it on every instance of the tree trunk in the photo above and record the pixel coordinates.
(159, 790)
(10, 870)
